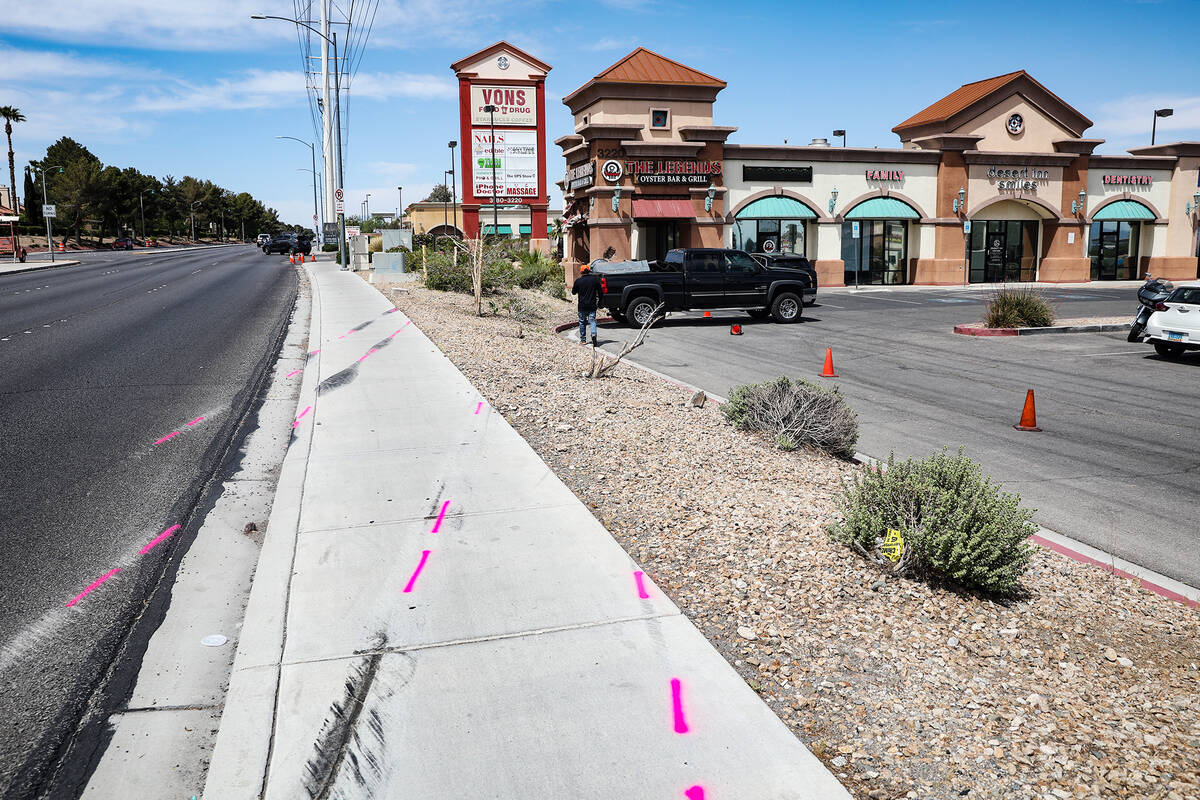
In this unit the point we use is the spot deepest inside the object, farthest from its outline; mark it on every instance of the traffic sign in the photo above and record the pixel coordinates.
(338, 208)
(50, 211)
(337, 195)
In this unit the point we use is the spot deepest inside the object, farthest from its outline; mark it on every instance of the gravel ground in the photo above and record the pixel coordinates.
(1090, 687)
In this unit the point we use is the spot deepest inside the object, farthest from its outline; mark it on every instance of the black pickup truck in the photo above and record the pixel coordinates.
(703, 279)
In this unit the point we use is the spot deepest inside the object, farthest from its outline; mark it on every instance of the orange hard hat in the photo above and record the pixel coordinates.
(585, 268)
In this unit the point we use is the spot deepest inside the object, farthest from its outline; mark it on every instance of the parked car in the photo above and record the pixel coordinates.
(703, 279)
(263, 238)
(124, 243)
(290, 243)
(1175, 324)
(792, 261)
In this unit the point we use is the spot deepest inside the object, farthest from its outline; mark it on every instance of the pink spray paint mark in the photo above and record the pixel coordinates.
(642, 593)
(366, 355)
(170, 435)
(314, 352)
(441, 516)
(391, 311)
(159, 539)
(694, 793)
(93, 587)
(479, 407)
(293, 372)
(300, 416)
(681, 725)
(196, 421)
(408, 587)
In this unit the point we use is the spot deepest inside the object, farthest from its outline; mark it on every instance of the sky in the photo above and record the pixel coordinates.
(195, 87)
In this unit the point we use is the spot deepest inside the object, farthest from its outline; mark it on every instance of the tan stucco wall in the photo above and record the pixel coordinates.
(637, 112)
(1038, 136)
(518, 69)
(981, 188)
(1181, 230)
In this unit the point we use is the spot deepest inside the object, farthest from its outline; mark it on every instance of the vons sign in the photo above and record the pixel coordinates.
(694, 173)
(514, 105)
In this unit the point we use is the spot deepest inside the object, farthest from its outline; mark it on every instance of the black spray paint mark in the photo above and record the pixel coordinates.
(338, 379)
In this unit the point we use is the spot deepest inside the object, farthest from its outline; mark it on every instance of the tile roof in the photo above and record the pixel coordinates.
(960, 99)
(646, 66)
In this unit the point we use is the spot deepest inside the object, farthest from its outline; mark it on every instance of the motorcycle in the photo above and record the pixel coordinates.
(1152, 294)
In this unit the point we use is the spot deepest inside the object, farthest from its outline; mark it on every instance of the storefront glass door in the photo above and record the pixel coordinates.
(1112, 247)
(877, 256)
(1003, 250)
(660, 238)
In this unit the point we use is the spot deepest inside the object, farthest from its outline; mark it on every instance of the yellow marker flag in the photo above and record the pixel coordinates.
(893, 543)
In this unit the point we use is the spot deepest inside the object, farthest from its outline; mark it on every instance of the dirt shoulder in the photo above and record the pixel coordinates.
(1088, 688)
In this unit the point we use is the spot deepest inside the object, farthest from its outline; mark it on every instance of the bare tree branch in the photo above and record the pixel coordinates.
(602, 367)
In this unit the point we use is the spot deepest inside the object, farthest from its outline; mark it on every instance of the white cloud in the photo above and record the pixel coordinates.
(1133, 115)
(611, 44)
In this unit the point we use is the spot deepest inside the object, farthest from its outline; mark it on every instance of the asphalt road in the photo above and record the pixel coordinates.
(1117, 464)
(101, 361)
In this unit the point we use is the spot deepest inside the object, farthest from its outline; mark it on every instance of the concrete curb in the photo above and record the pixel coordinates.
(241, 756)
(37, 267)
(969, 330)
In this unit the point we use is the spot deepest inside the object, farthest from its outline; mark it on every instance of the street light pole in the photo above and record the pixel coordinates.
(495, 212)
(337, 102)
(192, 214)
(313, 150)
(400, 207)
(1158, 112)
(46, 202)
(453, 186)
(142, 209)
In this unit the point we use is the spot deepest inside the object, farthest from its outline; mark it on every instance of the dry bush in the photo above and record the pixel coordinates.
(796, 413)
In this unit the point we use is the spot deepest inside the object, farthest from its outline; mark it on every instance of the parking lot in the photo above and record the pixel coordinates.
(1116, 465)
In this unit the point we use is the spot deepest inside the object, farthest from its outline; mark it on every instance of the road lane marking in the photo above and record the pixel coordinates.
(894, 300)
(170, 435)
(638, 578)
(408, 587)
(95, 585)
(681, 725)
(157, 540)
(441, 516)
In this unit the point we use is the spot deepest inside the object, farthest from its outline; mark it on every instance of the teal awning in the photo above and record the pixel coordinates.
(490, 230)
(524, 229)
(776, 207)
(1124, 209)
(882, 208)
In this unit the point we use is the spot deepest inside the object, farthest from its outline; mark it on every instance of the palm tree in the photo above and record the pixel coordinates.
(12, 114)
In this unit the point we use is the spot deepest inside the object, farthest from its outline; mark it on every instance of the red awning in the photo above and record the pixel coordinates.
(662, 209)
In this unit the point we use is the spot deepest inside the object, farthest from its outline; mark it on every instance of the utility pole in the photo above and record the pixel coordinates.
(326, 115)
(45, 202)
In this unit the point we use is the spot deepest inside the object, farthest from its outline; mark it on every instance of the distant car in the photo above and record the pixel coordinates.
(1175, 324)
(124, 243)
(263, 238)
(290, 243)
(792, 261)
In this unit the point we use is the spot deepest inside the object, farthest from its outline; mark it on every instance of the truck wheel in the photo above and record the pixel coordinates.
(616, 315)
(639, 310)
(787, 307)
(1168, 350)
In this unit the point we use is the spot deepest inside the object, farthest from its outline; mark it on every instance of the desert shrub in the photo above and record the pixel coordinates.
(444, 274)
(795, 413)
(375, 244)
(955, 523)
(535, 269)
(556, 288)
(1018, 308)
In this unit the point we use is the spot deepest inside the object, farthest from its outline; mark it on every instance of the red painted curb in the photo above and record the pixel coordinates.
(1145, 584)
(968, 330)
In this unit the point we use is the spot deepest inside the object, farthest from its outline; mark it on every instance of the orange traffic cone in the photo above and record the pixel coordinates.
(707, 314)
(291, 258)
(302, 258)
(735, 330)
(1028, 415)
(62, 246)
(828, 371)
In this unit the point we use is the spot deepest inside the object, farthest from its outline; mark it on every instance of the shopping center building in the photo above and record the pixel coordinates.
(994, 182)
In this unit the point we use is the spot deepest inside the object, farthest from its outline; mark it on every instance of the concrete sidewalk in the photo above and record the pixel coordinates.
(435, 615)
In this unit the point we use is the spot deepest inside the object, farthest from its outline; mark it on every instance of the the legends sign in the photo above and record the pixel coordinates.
(515, 105)
(582, 176)
(695, 173)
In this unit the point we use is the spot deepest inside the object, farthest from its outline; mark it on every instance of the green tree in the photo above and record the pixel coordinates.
(12, 114)
(33, 210)
(439, 194)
